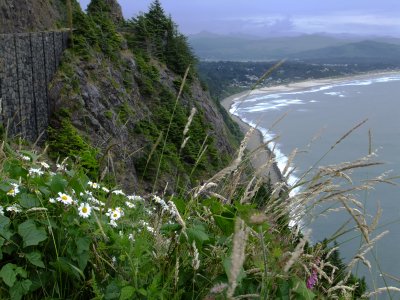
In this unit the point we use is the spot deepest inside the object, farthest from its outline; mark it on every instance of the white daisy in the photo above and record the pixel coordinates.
(26, 158)
(35, 172)
(130, 204)
(113, 223)
(134, 198)
(64, 198)
(84, 210)
(14, 190)
(94, 185)
(118, 192)
(14, 208)
(114, 214)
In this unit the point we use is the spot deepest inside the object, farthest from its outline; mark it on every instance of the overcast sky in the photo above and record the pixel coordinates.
(277, 17)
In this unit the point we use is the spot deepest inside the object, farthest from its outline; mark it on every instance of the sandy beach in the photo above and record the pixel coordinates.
(256, 140)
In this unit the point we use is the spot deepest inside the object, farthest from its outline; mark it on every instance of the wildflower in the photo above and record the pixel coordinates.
(113, 260)
(44, 165)
(1, 210)
(134, 198)
(113, 223)
(14, 190)
(26, 158)
(52, 200)
(84, 210)
(105, 189)
(118, 192)
(114, 214)
(64, 198)
(94, 185)
(162, 203)
(35, 172)
(312, 280)
(61, 167)
(130, 204)
(14, 208)
(131, 237)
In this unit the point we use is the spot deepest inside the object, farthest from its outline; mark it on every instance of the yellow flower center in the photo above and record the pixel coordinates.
(84, 209)
(64, 197)
(115, 215)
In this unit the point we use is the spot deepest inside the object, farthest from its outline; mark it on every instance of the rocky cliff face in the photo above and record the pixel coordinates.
(30, 15)
(115, 11)
(106, 103)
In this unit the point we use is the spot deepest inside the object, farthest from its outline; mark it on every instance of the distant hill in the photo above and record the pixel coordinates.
(208, 46)
(364, 51)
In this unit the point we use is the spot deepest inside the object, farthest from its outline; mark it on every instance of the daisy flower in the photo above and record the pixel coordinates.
(130, 204)
(14, 208)
(35, 172)
(14, 190)
(113, 223)
(118, 192)
(94, 185)
(84, 210)
(64, 198)
(134, 198)
(26, 158)
(114, 214)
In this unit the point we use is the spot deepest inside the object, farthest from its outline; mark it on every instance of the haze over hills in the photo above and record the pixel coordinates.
(210, 46)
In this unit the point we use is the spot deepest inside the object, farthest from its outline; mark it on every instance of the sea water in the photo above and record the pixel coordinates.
(314, 119)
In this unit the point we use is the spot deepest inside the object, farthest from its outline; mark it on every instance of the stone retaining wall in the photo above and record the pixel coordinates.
(28, 62)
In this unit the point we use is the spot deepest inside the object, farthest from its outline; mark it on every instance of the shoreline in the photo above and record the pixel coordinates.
(256, 140)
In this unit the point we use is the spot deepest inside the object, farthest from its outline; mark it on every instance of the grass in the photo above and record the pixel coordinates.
(212, 241)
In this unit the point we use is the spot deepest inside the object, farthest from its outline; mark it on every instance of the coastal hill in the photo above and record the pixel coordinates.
(143, 188)
(214, 47)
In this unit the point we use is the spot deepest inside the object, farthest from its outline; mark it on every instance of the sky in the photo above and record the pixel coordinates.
(277, 17)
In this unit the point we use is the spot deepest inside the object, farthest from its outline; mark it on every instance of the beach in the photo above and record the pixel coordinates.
(257, 139)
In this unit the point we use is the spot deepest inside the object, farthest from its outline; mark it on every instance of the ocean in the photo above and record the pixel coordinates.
(314, 119)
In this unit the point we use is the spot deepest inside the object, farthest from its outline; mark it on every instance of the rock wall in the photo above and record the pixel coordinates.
(28, 62)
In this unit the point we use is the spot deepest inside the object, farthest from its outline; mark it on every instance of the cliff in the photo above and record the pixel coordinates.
(121, 101)
(27, 15)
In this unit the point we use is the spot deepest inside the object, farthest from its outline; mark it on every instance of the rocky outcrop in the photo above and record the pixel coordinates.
(30, 15)
(115, 11)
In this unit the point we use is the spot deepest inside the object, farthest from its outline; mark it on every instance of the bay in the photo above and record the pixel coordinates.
(313, 120)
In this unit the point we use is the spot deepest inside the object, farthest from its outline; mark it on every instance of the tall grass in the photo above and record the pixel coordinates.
(64, 235)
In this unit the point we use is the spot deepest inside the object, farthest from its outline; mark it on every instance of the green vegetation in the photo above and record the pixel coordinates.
(221, 233)
(65, 141)
(100, 243)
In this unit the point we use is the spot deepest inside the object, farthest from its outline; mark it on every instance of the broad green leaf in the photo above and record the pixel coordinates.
(64, 265)
(58, 184)
(5, 227)
(127, 293)
(14, 169)
(283, 292)
(35, 258)
(20, 289)
(8, 274)
(28, 201)
(198, 234)
(31, 234)
(169, 228)
(82, 245)
(300, 289)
